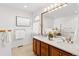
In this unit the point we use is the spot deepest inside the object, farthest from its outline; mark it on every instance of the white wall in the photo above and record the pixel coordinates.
(36, 23)
(77, 28)
(36, 28)
(8, 20)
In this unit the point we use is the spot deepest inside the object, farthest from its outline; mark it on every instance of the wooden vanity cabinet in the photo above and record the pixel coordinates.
(58, 52)
(44, 49)
(34, 46)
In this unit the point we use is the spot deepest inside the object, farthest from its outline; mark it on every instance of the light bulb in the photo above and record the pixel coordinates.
(55, 8)
(48, 8)
(52, 5)
(64, 5)
(45, 9)
(56, 4)
(60, 7)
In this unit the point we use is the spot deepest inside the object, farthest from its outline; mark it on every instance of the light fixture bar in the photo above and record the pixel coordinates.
(54, 7)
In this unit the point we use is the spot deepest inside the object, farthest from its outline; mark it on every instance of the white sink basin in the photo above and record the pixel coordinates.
(59, 39)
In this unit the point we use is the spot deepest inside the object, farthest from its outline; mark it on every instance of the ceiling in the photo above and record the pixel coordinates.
(70, 9)
(36, 7)
(32, 7)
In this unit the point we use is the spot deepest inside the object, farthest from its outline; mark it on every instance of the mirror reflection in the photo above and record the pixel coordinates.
(61, 22)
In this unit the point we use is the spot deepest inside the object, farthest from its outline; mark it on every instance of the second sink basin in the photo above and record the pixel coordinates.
(58, 39)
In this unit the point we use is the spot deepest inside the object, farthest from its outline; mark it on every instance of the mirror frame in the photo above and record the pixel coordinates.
(42, 20)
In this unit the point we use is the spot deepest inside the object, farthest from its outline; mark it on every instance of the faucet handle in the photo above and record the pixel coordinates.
(69, 40)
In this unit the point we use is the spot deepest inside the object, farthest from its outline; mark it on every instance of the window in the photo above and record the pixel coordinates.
(23, 21)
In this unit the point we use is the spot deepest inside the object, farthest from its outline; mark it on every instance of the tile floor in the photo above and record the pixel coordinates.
(25, 50)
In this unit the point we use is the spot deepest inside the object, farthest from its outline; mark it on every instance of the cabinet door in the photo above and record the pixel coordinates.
(34, 45)
(38, 47)
(53, 51)
(44, 49)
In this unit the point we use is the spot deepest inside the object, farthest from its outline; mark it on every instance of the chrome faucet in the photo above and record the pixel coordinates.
(69, 40)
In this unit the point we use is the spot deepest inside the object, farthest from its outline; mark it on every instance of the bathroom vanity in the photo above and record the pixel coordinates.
(44, 47)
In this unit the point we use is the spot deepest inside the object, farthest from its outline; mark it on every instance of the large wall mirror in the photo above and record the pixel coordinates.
(63, 19)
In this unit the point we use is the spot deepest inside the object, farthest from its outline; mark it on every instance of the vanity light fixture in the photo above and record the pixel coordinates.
(55, 6)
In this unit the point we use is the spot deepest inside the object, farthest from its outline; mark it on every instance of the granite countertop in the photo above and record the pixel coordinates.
(71, 48)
